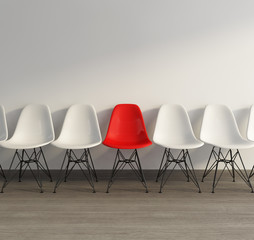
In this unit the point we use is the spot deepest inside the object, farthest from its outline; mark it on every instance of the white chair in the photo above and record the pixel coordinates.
(80, 131)
(219, 128)
(34, 130)
(250, 132)
(3, 134)
(173, 130)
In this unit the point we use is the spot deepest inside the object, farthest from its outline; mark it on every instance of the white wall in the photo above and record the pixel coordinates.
(108, 52)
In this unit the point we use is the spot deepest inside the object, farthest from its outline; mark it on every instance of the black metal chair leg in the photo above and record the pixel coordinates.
(187, 173)
(192, 172)
(46, 164)
(166, 166)
(90, 178)
(141, 172)
(162, 177)
(246, 174)
(233, 171)
(20, 170)
(90, 171)
(36, 178)
(58, 181)
(4, 177)
(233, 167)
(116, 162)
(3, 185)
(92, 165)
(209, 159)
(2, 172)
(251, 172)
(214, 179)
(66, 171)
(9, 171)
(160, 168)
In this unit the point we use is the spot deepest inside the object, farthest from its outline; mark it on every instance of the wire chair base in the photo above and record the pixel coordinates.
(25, 160)
(134, 163)
(230, 164)
(84, 162)
(183, 161)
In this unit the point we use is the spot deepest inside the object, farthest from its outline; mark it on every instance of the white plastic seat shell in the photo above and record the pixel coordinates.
(173, 128)
(250, 127)
(34, 128)
(80, 128)
(3, 125)
(219, 128)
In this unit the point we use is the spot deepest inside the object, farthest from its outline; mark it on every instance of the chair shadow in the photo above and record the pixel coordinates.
(242, 117)
(150, 156)
(58, 119)
(102, 155)
(199, 155)
(12, 119)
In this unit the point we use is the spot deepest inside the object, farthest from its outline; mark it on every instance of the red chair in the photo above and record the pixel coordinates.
(127, 131)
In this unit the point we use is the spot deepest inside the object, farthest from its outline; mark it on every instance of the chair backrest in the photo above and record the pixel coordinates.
(34, 125)
(219, 125)
(173, 126)
(250, 128)
(3, 125)
(127, 125)
(81, 126)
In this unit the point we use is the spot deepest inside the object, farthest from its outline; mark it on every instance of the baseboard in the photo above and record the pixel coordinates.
(105, 174)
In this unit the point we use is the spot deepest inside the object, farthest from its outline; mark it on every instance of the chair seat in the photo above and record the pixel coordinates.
(240, 144)
(187, 145)
(126, 145)
(68, 145)
(21, 145)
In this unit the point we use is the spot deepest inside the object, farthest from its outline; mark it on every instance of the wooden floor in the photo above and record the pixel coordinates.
(127, 212)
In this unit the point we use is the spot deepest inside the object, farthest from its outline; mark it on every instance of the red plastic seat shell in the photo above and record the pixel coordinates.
(127, 128)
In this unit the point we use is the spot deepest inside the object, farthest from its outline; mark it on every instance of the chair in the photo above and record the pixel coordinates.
(3, 134)
(80, 131)
(127, 131)
(250, 132)
(219, 128)
(34, 130)
(173, 130)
